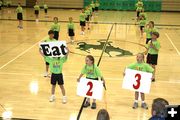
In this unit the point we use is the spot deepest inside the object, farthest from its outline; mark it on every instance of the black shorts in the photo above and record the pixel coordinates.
(96, 8)
(57, 78)
(93, 9)
(19, 16)
(82, 23)
(141, 28)
(36, 12)
(92, 78)
(138, 13)
(152, 59)
(56, 35)
(45, 10)
(47, 63)
(147, 40)
(71, 32)
(87, 18)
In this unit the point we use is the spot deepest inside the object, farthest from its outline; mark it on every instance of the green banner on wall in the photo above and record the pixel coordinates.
(149, 5)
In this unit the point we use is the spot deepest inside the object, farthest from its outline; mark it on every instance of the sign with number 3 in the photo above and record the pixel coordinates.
(137, 81)
(90, 88)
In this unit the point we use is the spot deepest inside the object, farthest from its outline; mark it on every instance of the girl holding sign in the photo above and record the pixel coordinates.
(92, 72)
(140, 66)
(56, 65)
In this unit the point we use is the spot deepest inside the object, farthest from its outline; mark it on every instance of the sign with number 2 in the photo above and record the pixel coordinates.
(90, 88)
(137, 81)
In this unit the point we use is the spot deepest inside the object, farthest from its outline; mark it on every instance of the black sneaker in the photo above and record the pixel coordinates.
(86, 104)
(93, 106)
(153, 80)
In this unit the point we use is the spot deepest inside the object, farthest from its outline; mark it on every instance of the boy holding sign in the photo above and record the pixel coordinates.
(50, 39)
(140, 66)
(56, 65)
(92, 72)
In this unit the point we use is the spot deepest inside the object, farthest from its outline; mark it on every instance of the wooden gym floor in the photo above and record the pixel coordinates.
(25, 92)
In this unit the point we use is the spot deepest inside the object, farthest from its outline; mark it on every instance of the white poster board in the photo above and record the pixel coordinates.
(137, 81)
(53, 49)
(90, 88)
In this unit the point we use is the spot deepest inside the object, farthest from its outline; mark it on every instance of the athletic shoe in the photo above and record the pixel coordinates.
(45, 74)
(135, 105)
(52, 98)
(153, 80)
(93, 105)
(86, 104)
(144, 105)
(72, 41)
(64, 100)
(81, 33)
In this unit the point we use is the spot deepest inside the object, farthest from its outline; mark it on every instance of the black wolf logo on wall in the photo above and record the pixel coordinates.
(109, 48)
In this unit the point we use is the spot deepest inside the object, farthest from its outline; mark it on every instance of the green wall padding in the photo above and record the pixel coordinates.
(149, 5)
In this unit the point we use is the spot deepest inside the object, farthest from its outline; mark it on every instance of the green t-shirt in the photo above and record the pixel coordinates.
(143, 14)
(36, 7)
(142, 22)
(1, 3)
(92, 5)
(9, 2)
(70, 25)
(139, 3)
(82, 17)
(87, 12)
(139, 8)
(149, 32)
(45, 6)
(19, 9)
(56, 64)
(48, 40)
(55, 27)
(152, 51)
(90, 8)
(91, 71)
(97, 4)
(144, 67)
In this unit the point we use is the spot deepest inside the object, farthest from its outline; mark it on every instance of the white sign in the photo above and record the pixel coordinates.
(90, 88)
(54, 49)
(137, 81)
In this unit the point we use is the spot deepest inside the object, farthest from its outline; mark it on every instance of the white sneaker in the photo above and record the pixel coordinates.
(64, 100)
(46, 74)
(37, 20)
(52, 98)
(81, 33)
(72, 41)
